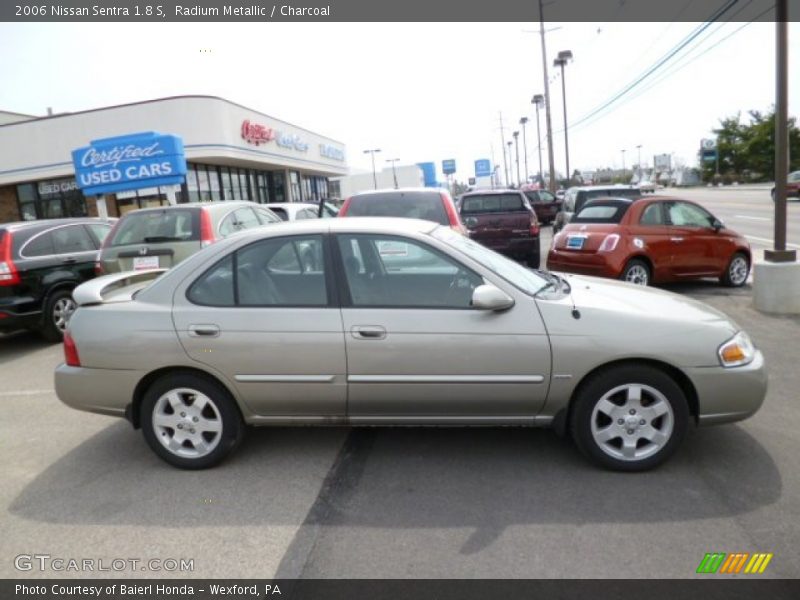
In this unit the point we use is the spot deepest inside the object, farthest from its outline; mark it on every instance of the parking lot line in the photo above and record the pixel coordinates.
(768, 241)
(26, 393)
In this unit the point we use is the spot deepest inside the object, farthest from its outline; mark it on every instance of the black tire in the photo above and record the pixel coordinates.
(222, 413)
(658, 390)
(772, 193)
(533, 261)
(733, 275)
(638, 272)
(57, 309)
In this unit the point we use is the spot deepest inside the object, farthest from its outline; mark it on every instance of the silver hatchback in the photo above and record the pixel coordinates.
(398, 322)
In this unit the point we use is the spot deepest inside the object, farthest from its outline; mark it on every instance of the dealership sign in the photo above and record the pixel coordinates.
(483, 167)
(256, 133)
(129, 162)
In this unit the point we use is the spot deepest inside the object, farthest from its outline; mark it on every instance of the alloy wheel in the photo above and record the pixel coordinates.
(62, 311)
(632, 422)
(738, 270)
(187, 423)
(637, 274)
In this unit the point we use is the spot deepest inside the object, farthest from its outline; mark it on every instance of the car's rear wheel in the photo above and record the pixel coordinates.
(736, 272)
(629, 418)
(57, 311)
(636, 271)
(189, 421)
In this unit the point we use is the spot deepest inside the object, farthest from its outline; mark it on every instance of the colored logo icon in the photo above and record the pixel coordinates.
(734, 563)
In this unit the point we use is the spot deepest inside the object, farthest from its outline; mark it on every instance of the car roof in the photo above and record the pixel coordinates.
(22, 225)
(297, 205)
(192, 205)
(403, 190)
(590, 188)
(495, 191)
(349, 225)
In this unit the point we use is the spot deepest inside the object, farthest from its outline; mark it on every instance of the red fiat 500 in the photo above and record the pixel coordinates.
(650, 240)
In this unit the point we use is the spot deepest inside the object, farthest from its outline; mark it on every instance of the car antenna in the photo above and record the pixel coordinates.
(576, 314)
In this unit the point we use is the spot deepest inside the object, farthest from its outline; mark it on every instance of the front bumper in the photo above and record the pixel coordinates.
(728, 395)
(103, 391)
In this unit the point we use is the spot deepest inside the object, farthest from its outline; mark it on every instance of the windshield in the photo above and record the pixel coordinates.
(525, 279)
(410, 204)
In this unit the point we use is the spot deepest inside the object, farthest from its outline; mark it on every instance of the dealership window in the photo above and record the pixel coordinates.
(144, 198)
(227, 185)
(294, 185)
(51, 199)
(192, 186)
(278, 187)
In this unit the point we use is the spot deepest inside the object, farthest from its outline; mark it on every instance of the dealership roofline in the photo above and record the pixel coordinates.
(183, 97)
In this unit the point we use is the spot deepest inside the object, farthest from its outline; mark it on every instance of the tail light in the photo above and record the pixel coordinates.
(452, 215)
(70, 351)
(534, 228)
(610, 243)
(98, 263)
(345, 207)
(206, 230)
(8, 271)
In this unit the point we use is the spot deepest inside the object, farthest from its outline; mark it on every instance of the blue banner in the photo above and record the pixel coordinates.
(449, 166)
(428, 174)
(483, 167)
(129, 162)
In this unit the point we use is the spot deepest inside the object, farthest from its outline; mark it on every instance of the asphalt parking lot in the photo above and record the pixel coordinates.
(394, 502)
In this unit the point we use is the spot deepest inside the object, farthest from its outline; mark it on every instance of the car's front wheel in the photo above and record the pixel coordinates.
(629, 418)
(736, 272)
(189, 421)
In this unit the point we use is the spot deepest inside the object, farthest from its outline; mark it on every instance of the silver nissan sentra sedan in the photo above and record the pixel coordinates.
(368, 321)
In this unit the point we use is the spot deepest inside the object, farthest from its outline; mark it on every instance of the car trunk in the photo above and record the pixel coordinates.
(154, 256)
(584, 238)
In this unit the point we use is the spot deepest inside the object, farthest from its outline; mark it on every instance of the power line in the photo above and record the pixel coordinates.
(692, 36)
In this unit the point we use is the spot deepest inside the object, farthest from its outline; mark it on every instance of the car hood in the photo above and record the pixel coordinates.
(630, 320)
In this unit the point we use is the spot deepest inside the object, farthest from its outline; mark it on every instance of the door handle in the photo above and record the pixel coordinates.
(69, 260)
(368, 332)
(206, 330)
(676, 239)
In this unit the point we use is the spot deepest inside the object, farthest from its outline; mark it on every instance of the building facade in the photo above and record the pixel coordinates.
(232, 152)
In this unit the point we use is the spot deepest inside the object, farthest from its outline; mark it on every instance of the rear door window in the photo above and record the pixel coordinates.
(40, 245)
(412, 205)
(652, 215)
(72, 239)
(606, 212)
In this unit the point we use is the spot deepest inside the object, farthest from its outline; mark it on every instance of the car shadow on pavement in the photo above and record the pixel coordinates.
(19, 343)
(706, 287)
(486, 479)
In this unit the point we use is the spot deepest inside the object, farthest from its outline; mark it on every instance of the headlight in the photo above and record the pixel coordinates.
(737, 351)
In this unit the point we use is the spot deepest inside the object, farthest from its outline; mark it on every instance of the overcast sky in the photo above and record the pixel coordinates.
(419, 91)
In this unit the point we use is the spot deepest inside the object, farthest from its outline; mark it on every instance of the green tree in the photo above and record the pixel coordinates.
(747, 151)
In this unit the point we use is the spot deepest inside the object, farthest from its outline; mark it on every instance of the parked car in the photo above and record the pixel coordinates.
(41, 262)
(576, 197)
(647, 186)
(293, 211)
(650, 240)
(504, 221)
(152, 238)
(451, 333)
(792, 186)
(545, 204)
(412, 203)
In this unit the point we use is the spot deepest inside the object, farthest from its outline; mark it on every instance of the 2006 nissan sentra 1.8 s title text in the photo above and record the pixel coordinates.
(373, 321)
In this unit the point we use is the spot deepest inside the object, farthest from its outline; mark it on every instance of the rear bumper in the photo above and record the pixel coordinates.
(520, 247)
(102, 391)
(15, 313)
(595, 264)
(728, 395)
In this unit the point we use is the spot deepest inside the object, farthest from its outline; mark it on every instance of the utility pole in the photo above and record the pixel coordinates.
(547, 104)
(374, 177)
(522, 122)
(516, 148)
(538, 100)
(509, 183)
(394, 172)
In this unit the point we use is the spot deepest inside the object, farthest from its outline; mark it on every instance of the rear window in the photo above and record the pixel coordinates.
(411, 205)
(491, 203)
(605, 212)
(150, 227)
(281, 212)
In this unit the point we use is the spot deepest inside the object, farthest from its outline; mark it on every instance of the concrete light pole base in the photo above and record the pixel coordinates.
(776, 287)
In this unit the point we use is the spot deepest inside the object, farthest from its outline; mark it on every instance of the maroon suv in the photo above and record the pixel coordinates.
(504, 221)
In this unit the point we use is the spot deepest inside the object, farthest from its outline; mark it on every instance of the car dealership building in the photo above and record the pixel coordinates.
(232, 152)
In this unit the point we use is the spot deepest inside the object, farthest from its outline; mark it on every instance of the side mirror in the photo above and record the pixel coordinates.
(488, 297)
(717, 224)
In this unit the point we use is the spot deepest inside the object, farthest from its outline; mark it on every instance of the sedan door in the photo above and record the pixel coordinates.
(417, 350)
(264, 317)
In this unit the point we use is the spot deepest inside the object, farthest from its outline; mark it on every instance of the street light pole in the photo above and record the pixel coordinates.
(394, 172)
(522, 122)
(374, 177)
(503, 147)
(547, 104)
(639, 161)
(623, 165)
(538, 100)
(561, 61)
(516, 148)
(509, 183)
